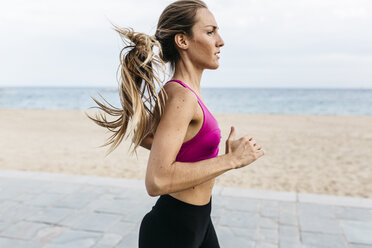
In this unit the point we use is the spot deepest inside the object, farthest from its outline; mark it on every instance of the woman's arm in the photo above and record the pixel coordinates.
(180, 176)
(164, 175)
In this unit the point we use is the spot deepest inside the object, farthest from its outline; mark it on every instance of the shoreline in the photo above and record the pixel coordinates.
(316, 154)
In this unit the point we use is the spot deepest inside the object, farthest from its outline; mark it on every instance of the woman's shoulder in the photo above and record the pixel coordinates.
(176, 91)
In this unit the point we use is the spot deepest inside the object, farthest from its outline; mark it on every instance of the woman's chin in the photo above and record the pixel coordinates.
(213, 67)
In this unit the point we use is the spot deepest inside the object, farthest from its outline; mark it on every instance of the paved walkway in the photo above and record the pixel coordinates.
(55, 210)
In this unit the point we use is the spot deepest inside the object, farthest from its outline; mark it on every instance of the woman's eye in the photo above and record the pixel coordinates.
(210, 32)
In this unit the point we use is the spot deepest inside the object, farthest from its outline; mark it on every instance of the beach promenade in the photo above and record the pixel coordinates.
(47, 210)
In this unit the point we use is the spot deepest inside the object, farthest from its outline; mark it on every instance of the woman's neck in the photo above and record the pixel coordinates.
(188, 74)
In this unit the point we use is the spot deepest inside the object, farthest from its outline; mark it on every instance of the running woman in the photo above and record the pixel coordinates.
(175, 125)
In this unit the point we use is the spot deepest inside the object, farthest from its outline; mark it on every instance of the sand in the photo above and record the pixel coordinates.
(304, 153)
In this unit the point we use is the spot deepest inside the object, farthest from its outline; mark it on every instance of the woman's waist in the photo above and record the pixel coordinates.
(198, 195)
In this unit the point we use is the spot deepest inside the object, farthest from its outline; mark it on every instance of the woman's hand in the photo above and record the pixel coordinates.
(243, 151)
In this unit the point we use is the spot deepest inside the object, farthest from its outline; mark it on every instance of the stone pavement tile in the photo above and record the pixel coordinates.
(250, 234)
(25, 197)
(108, 240)
(350, 213)
(99, 222)
(7, 204)
(227, 238)
(215, 220)
(217, 211)
(116, 182)
(134, 193)
(5, 207)
(63, 188)
(268, 235)
(122, 228)
(239, 219)
(114, 190)
(357, 232)
(272, 212)
(289, 232)
(18, 212)
(50, 215)
(331, 200)
(289, 243)
(269, 204)
(74, 217)
(242, 204)
(259, 194)
(11, 193)
(26, 186)
(32, 185)
(315, 210)
(5, 181)
(24, 230)
(75, 239)
(49, 233)
(288, 208)
(262, 244)
(220, 201)
(4, 225)
(122, 206)
(322, 240)
(93, 189)
(359, 246)
(16, 243)
(268, 223)
(130, 240)
(136, 214)
(77, 200)
(289, 236)
(319, 225)
(41, 200)
(288, 219)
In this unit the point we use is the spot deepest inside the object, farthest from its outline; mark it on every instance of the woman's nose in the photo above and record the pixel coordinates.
(220, 41)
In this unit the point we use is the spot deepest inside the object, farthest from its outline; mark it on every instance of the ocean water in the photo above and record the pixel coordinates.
(218, 100)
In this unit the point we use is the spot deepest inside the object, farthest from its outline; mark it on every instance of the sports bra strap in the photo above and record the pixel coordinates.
(185, 85)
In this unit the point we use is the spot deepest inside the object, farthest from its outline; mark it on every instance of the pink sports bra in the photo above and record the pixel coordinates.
(205, 143)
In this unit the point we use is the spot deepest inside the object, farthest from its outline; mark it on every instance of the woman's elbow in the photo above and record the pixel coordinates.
(152, 188)
(151, 191)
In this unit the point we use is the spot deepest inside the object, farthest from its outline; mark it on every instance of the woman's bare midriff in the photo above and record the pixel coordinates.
(199, 194)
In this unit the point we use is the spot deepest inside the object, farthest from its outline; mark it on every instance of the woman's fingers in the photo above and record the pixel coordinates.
(260, 153)
(232, 133)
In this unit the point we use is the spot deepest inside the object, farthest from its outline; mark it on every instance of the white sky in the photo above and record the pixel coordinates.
(268, 43)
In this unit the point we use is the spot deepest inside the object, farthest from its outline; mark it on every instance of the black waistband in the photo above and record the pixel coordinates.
(167, 200)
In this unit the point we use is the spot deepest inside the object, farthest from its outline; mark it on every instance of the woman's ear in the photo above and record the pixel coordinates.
(181, 41)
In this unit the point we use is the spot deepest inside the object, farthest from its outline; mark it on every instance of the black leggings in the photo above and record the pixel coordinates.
(173, 223)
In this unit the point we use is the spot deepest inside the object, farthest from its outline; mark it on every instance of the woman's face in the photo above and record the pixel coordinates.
(206, 42)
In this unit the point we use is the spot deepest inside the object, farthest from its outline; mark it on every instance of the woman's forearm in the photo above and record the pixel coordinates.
(147, 142)
(181, 176)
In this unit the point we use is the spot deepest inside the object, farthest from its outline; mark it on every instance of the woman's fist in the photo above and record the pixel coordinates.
(244, 150)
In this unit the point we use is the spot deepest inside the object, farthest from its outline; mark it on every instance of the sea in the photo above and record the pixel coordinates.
(218, 100)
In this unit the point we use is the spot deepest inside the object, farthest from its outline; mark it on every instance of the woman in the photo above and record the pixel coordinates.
(175, 125)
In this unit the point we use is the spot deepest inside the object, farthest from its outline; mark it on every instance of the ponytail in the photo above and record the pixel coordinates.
(140, 70)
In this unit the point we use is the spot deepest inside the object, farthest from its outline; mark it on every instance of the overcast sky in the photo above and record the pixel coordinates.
(268, 43)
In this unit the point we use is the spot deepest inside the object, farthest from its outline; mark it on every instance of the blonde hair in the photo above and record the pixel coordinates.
(140, 69)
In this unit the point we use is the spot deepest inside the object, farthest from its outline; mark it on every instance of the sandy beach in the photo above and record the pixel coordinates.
(304, 153)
